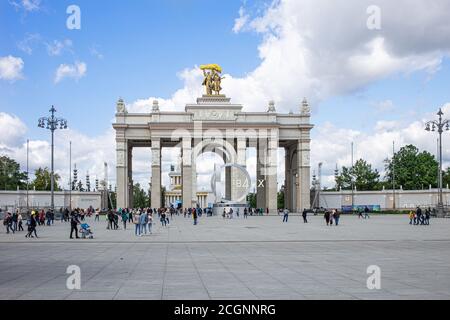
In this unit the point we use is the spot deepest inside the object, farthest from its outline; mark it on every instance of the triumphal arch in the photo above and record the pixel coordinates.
(214, 124)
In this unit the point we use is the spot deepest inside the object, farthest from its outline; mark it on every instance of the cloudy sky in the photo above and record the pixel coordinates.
(370, 81)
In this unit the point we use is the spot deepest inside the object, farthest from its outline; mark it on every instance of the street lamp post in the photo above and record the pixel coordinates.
(52, 123)
(440, 125)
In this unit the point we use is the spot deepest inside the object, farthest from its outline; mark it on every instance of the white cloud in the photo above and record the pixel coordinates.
(27, 44)
(332, 145)
(75, 71)
(27, 5)
(57, 47)
(384, 106)
(241, 21)
(12, 130)
(11, 68)
(318, 49)
(95, 52)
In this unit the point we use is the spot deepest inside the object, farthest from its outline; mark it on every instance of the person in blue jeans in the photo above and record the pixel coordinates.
(336, 216)
(143, 221)
(137, 224)
(285, 215)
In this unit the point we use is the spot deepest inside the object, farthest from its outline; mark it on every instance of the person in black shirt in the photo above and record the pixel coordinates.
(74, 222)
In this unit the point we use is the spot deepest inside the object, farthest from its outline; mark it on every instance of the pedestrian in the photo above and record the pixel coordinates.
(20, 220)
(110, 220)
(47, 217)
(97, 215)
(304, 215)
(74, 222)
(149, 221)
(327, 217)
(14, 220)
(418, 216)
(427, 216)
(163, 219)
(245, 213)
(336, 216)
(143, 220)
(412, 216)
(124, 219)
(285, 215)
(32, 222)
(8, 223)
(360, 213)
(137, 224)
(366, 212)
(195, 216)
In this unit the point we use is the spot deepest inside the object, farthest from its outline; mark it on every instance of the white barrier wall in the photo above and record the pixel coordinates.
(404, 199)
(40, 199)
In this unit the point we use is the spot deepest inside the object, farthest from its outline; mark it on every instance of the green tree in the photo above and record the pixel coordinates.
(280, 199)
(413, 169)
(140, 197)
(445, 178)
(10, 175)
(362, 175)
(42, 180)
(251, 200)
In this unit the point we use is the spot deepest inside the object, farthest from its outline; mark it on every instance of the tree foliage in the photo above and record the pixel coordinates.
(413, 170)
(280, 199)
(140, 197)
(10, 175)
(42, 180)
(361, 176)
(251, 200)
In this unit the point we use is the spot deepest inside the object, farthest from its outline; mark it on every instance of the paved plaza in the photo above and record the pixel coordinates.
(258, 258)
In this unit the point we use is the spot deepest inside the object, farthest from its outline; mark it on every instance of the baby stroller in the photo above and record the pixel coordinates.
(86, 232)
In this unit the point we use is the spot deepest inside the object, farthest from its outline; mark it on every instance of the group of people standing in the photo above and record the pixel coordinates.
(419, 217)
(332, 216)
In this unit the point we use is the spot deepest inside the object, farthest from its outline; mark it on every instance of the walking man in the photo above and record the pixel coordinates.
(286, 215)
(366, 213)
(74, 222)
(304, 215)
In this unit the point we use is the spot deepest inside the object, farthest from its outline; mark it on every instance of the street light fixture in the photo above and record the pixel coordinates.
(440, 125)
(52, 123)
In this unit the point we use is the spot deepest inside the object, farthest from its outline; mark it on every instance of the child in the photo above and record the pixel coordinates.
(411, 217)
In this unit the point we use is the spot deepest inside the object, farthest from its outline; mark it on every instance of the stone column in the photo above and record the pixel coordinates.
(271, 167)
(287, 179)
(303, 172)
(122, 172)
(186, 171)
(156, 173)
(239, 185)
(261, 150)
(130, 177)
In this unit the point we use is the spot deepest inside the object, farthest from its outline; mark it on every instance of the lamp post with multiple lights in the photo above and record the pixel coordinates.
(52, 123)
(440, 125)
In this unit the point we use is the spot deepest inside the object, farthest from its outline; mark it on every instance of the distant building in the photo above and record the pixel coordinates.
(173, 195)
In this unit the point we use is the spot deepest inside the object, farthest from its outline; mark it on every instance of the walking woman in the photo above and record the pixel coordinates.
(32, 226)
(149, 220)
(327, 217)
(137, 224)
(124, 219)
(20, 220)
